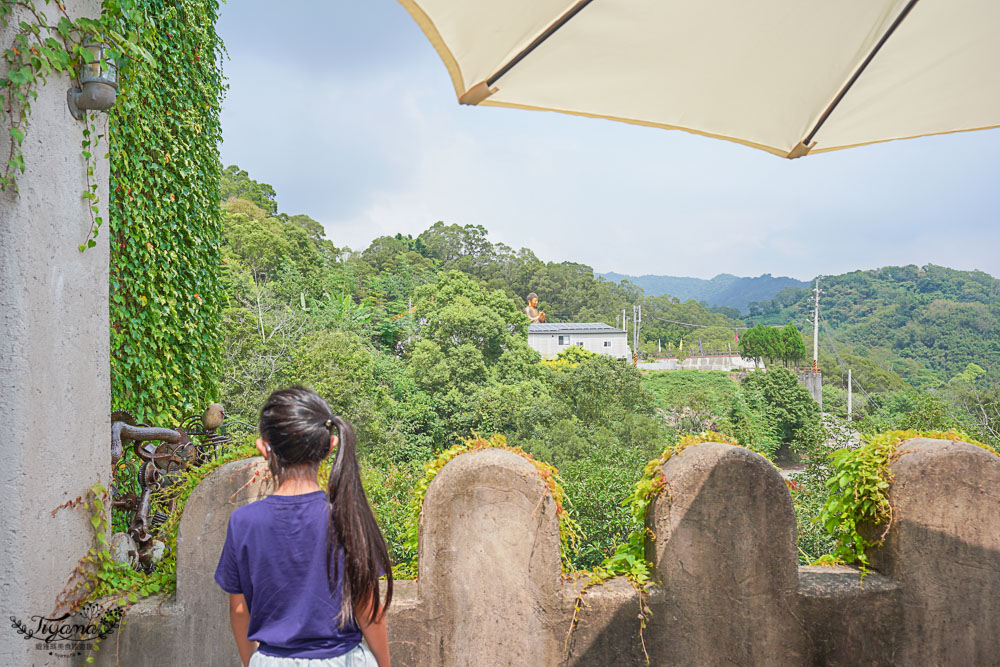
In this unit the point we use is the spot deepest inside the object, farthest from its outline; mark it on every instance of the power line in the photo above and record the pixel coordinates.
(704, 326)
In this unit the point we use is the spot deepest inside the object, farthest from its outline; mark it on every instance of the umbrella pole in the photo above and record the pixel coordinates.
(857, 74)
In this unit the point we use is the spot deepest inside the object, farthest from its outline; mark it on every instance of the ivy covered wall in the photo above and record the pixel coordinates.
(165, 224)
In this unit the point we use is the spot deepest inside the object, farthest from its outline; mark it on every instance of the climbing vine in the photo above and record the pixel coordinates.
(165, 223)
(569, 531)
(42, 46)
(163, 134)
(857, 511)
(99, 577)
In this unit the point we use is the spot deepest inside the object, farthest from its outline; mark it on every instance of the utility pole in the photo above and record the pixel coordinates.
(816, 330)
(850, 394)
(638, 326)
(636, 323)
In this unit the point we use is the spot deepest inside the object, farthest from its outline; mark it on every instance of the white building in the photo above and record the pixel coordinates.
(550, 339)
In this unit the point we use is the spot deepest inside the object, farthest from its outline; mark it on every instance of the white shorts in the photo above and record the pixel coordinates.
(359, 656)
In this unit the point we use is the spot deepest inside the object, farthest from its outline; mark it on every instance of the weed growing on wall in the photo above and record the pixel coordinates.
(629, 559)
(857, 511)
(99, 577)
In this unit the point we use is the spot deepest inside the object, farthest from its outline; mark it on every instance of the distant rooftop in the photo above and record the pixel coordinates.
(572, 327)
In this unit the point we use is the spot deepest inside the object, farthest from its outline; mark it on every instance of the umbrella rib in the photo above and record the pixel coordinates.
(558, 23)
(857, 74)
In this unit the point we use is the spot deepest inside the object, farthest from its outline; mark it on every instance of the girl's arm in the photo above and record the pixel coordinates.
(239, 616)
(374, 633)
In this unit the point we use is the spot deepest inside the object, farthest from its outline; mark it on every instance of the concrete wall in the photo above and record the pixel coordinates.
(723, 363)
(54, 375)
(490, 590)
(813, 382)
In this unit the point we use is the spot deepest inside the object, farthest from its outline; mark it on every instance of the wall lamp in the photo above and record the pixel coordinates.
(98, 83)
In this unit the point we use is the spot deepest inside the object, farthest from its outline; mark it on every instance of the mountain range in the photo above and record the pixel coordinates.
(723, 290)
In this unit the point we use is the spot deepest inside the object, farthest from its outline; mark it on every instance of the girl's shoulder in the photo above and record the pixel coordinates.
(251, 512)
(267, 507)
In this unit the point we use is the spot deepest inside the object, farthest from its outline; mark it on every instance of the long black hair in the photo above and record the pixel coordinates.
(296, 423)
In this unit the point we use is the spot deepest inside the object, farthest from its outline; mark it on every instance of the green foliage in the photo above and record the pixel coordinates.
(166, 295)
(923, 323)
(857, 511)
(693, 400)
(388, 488)
(600, 389)
(768, 410)
(570, 357)
(790, 409)
(235, 183)
(753, 423)
(762, 342)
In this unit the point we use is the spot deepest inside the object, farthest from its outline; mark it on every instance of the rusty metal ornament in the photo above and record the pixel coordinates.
(165, 454)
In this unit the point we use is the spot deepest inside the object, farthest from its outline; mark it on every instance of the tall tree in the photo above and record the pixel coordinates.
(235, 183)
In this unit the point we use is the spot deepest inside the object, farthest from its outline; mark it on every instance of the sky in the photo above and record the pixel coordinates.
(346, 109)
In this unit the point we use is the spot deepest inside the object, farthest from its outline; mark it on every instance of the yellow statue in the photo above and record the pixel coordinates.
(531, 310)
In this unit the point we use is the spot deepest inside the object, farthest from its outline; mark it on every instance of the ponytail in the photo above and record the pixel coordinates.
(353, 526)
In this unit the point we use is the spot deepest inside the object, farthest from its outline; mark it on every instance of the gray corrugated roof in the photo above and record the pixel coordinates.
(572, 327)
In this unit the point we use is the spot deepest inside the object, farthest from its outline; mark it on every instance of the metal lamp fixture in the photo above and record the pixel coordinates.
(98, 83)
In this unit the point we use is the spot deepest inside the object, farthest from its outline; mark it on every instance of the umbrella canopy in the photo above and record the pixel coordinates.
(787, 76)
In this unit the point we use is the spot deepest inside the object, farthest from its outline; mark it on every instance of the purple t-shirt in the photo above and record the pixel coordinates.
(276, 556)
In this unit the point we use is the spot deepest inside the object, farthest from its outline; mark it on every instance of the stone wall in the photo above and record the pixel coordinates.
(490, 590)
(54, 369)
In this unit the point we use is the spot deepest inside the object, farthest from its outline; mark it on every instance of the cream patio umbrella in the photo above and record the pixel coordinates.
(790, 77)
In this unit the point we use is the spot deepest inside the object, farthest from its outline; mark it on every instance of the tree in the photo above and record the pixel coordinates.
(456, 310)
(789, 407)
(572, 356)
(793, 348)
(235, 183)
(757, 343)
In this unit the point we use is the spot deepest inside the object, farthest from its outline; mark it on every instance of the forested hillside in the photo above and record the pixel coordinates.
(421, 341)
(925, 324)
(723, 290)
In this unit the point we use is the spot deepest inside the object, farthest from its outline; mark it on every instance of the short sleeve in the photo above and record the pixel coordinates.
(227, 574)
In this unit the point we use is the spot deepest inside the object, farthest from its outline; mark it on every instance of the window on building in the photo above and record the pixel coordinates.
(564, 340)
(607, 343)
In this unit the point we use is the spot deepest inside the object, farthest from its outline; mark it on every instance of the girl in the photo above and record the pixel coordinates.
(301, 566)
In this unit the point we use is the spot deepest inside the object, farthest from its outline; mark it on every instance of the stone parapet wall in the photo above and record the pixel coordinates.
(490, 590)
